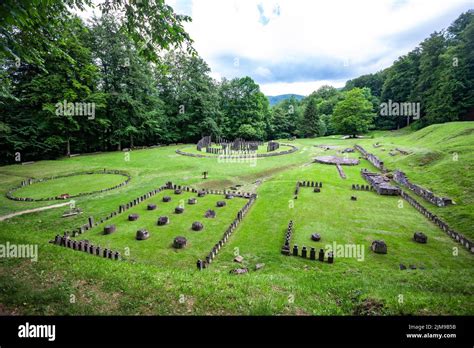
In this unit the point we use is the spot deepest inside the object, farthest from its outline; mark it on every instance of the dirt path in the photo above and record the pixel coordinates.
(4, 217)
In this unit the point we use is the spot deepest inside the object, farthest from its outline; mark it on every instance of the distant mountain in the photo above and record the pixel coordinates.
(278, 98)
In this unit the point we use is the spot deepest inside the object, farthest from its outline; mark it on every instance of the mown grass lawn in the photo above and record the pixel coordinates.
(157, 249)
(155, 279)
(73, 185)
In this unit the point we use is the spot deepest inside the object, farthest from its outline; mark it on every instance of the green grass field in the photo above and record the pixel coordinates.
(73, 185)
(156, 279)
(157, 249)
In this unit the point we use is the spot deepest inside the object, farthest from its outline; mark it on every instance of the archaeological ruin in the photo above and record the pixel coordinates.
(400, 178)
(380, 183)
(377, 162)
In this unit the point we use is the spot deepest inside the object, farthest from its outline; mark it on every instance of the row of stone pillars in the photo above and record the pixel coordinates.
(312, 254)
(85, 246)
(201, 264)
(440, 223)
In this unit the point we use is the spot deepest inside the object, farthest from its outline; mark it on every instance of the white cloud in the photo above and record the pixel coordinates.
(291, 46)
(275, 40)
(262, 71)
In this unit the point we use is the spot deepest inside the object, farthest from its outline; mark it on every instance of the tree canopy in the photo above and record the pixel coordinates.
(354, 114)
(136, 67)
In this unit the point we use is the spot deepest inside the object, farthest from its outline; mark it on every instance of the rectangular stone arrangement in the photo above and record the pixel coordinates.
(295, 251)
(67, 241)
(313, 184)
(380, 183)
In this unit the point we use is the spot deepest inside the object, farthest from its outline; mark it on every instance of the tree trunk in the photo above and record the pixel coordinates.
(68, 147)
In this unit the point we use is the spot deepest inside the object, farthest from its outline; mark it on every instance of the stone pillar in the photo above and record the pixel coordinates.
(295, 250)
(330, 257)
(303, 251)
(91, 221)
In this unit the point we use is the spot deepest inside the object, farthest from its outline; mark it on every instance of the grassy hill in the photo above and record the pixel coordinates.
(441, 159)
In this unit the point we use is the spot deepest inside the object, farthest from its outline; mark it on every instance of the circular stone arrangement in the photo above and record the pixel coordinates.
(66, 195)
(292, 149)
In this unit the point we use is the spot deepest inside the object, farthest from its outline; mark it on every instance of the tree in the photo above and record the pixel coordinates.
(372, 81)
(191, 95)
(399, 86)
(247, 132)
(328, 124)
(241, 102)
(456, 87)
(354, 114)
(285, 118)
(133, 104)
(152, 25)
(430, 71)
(37, 128)
(324, 92)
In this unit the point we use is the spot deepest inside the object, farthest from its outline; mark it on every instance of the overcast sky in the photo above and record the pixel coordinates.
(295, 46)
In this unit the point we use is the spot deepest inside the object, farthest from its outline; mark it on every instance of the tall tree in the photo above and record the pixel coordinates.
(37, 128)
(453, 94)
(285, 117)
(311, 125)
(192, 100)
(399, 86)
(242, 103)
(133, 105)
(152, 25)
(372, 81)
(430, 71)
